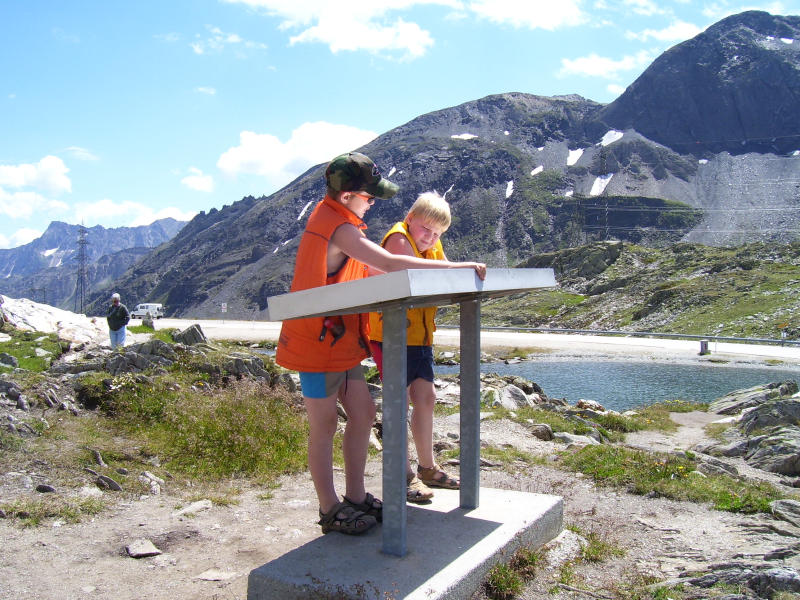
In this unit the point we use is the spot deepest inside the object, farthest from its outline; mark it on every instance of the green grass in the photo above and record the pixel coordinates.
(505, 581)
(528, 414)
(23, 346)
(10, 442)
(611, 426)
(32, 512)
(598, 549)
(165, 335)
(716, 431)
(656, 416)
(669, 476)
(445, 410)
(509, 456)
(245, 428)
(515, 353)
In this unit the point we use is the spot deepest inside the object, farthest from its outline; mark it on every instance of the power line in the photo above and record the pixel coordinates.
(689, 210)
(81, 283)
(686, 230)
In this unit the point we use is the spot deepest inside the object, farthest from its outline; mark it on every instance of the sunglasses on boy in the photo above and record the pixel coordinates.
(365, 197)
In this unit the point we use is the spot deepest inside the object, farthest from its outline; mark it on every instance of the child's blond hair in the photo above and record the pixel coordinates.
(432, 208)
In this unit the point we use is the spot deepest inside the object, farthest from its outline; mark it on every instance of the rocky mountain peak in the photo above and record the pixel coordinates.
(733, 88)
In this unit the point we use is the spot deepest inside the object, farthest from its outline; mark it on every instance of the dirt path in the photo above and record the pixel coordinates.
(691, 431)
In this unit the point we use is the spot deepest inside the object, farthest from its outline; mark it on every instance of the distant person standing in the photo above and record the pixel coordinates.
(117, 317)
(2, 315)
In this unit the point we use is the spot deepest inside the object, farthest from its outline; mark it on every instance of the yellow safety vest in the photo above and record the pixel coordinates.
(420, 326)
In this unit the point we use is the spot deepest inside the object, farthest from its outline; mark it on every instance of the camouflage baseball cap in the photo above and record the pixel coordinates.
(355, 172)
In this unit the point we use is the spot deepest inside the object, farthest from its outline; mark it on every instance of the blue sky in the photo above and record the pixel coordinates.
(120, 113)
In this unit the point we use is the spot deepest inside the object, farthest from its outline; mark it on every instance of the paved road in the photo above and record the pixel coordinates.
(553, 343)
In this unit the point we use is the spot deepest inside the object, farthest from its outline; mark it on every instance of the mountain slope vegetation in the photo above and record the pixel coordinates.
(746, 291)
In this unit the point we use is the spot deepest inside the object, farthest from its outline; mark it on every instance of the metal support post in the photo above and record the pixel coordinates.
(470, 402)
(395, 435)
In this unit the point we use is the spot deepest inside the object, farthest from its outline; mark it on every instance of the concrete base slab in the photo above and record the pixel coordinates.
(450, 551)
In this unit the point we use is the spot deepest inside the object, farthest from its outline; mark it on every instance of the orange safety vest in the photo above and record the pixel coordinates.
(307, 344)
(420, 325)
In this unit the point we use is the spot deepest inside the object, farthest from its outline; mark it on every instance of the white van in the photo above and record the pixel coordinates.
(154, 311)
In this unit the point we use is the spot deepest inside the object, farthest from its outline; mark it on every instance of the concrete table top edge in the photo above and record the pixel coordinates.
(413, 287)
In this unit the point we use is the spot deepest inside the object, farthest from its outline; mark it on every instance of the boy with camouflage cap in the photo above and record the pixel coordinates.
(327, 352)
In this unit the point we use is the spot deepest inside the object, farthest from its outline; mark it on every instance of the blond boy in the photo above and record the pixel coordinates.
(418, 235)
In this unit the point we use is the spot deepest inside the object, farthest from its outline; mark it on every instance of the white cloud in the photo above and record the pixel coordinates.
(168, 37)
(19, 238)
(217, 40)
(165, 213)
(534, 14)
(205, 90)
(279, 162)
(647, 8)
(108, 213)
(408, 38)
(719, 10)
(49, 175)
(23, 205)
(678, 31)
(367, 26)
(80, 153)
(615, 88)
(197, 181)
(600, 66)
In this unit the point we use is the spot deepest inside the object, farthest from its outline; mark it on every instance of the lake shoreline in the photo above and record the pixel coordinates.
(555, 345)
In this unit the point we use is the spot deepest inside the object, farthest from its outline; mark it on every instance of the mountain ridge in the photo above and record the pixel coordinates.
(45, 269)
(527, 174)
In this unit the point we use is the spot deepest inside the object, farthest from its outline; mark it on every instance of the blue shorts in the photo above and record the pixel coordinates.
(419, 361)
(322, 385)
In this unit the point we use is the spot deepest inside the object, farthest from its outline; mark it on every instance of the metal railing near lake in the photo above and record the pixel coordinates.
(648, 334)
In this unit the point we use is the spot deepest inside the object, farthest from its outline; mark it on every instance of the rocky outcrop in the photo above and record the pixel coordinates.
(763, 580)
(190, 336)
(766, 433)
(156, 355)
(583, 262)
(739, 400)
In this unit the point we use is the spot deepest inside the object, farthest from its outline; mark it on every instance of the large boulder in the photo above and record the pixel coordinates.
(778, 413)
(190, 336)
(738, 400)
(778, 452)
(153, 347)
(788, 510)
(7, 359)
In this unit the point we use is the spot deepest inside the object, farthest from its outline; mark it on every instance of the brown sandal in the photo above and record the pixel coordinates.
(416, 491)
(371, 506)
(345, 519)
(435, 477)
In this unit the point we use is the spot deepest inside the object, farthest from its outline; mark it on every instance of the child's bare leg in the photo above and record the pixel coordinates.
(423, 397)
(322, 419)
(360, 409)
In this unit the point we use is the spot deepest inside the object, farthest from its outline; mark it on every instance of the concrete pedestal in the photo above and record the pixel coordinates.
(450, 551)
